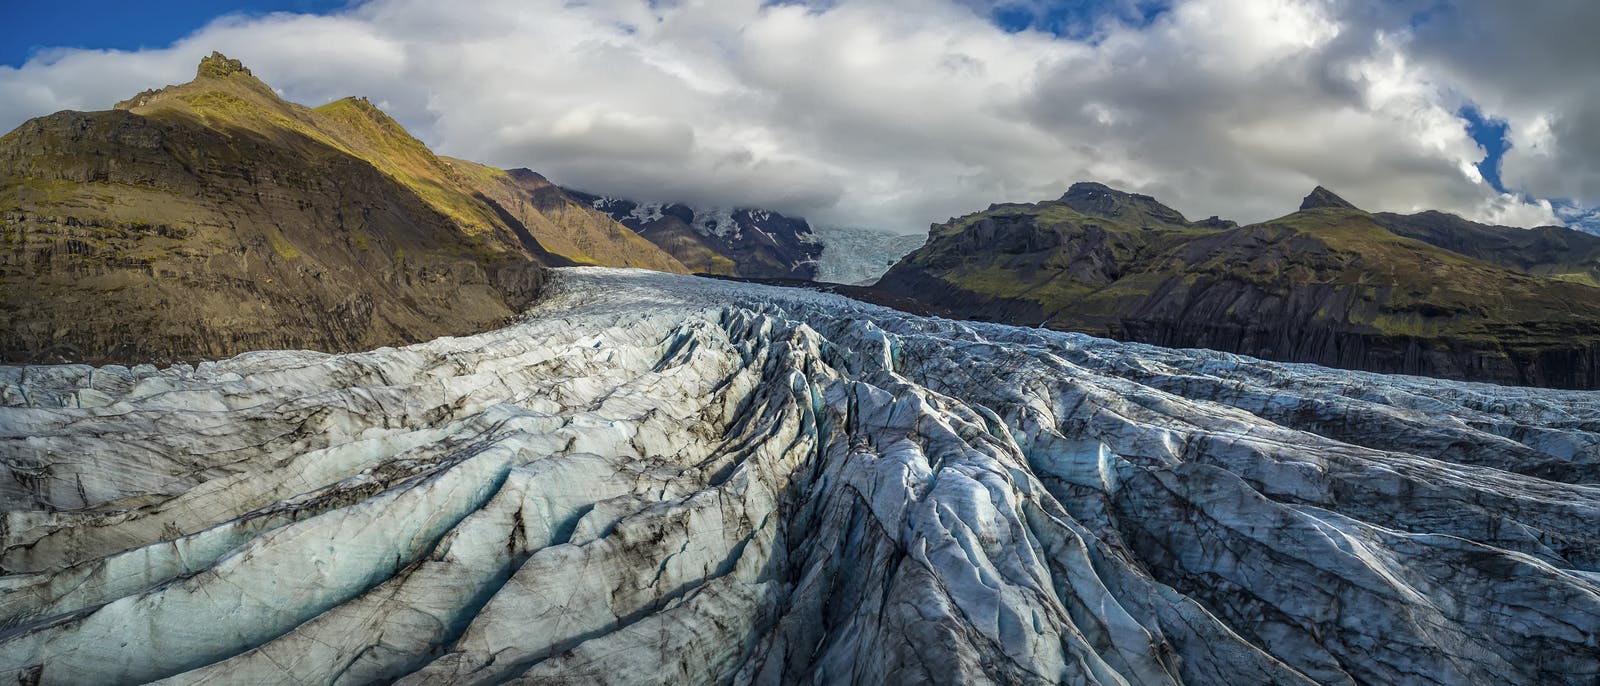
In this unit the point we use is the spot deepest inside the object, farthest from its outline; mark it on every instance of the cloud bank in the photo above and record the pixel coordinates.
(866, 112)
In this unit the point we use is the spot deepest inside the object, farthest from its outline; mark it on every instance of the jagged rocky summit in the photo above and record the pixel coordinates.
(1426, 293)
(1320, 198)
(664, 479)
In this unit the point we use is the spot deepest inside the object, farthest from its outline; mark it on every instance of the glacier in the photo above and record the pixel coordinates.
(654, 478)
(859, 256)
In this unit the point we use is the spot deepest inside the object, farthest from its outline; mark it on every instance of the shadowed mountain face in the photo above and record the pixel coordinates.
(743, 242)
(212, 218)
(1426, 294)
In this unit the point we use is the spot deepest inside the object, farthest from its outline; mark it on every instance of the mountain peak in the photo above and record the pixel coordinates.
(1088, 187)
(1100, 200)
(217, 65)
(216, 72)
(1322, 197)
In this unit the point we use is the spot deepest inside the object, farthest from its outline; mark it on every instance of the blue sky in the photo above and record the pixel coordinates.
(1491, 134)
(27, 26)
(1079, 19)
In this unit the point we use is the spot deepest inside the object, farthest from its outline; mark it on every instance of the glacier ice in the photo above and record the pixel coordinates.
(858, 255)
(655, 478)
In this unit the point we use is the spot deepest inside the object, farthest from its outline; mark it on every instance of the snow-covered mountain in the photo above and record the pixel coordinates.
(747, 242)
(857, 255)
(655, 478)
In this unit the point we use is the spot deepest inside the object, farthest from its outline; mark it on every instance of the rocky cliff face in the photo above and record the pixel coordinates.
(211, 218)
(746, 242)
(1329, 284)
(663, 479)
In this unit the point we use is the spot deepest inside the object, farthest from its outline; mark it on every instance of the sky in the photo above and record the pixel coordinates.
(898, 114)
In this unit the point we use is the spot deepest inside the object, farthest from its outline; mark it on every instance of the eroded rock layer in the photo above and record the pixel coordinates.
(661, 478)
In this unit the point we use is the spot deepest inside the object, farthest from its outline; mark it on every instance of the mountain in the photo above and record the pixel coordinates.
(663, 479)
(745, 242)
(213, 217)
(1552, 251)
(1328, 284)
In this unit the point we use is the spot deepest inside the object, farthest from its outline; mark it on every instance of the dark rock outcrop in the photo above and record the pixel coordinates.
(217, 65)
(1321, 197)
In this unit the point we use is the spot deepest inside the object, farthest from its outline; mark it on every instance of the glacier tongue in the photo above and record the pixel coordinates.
(655, 478)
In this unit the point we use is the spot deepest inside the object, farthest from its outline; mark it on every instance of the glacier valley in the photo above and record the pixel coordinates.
(654, 478)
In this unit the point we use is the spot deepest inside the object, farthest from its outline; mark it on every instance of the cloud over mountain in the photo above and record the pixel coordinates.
(861, 111)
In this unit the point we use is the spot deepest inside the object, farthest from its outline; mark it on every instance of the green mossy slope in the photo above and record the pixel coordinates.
(1329, 284)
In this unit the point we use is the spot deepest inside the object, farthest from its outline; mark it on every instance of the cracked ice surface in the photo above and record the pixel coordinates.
(661, 478)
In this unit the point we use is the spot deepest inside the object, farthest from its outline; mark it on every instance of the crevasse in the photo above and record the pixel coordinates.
(660, 478)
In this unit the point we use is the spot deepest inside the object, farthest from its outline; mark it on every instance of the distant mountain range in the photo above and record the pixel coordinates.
(747, 242)
(1426, 293)
(758, 243)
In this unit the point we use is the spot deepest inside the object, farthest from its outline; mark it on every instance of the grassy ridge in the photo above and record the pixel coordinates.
(227, 97)
(1124, 266)
(212, 218)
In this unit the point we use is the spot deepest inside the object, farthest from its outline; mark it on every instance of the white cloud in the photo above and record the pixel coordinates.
(1532, 65)
(868, 113)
